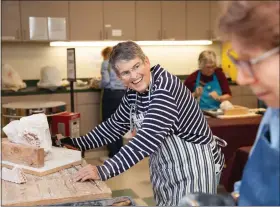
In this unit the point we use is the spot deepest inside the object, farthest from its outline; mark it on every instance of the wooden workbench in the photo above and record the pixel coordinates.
(52, 189)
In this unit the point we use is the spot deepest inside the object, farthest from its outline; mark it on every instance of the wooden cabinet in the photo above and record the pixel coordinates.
(198, 20)
(11, 29)
(148, 20)
(86, 20)
(113, 20)
(160, 20)
(43, 9)
(119, 20)
(173, 20)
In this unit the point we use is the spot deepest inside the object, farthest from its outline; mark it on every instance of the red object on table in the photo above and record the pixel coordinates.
(67, 124)
(233, 172)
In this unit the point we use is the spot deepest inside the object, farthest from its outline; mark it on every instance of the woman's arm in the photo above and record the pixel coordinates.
(224, 97)
(158, 122)
(107, 132)
(223, 83)
(221, 98)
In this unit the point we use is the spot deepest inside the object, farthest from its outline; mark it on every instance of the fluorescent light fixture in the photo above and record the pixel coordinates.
(174, 43)
(142, 43)
(83, 43)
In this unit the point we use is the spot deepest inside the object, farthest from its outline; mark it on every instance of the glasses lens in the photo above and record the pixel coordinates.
(244, 67)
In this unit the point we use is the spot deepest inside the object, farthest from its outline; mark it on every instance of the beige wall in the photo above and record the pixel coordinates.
(28, 58)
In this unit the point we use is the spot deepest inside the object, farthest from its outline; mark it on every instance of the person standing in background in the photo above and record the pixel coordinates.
(113, 92)
(208, 84)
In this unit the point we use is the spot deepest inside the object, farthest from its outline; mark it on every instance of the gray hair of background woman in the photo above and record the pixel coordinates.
(205, 57)
(254, 23)
(125, 51)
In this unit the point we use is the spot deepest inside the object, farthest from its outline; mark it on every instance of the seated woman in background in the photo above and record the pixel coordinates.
(208, 84)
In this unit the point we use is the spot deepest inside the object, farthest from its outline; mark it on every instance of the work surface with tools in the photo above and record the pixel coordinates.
(54, 188)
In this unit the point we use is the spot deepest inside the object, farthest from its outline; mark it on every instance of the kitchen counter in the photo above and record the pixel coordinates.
(33, 90)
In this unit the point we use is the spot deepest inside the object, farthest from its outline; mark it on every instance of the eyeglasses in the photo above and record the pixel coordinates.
(246, 65)
(125, 75)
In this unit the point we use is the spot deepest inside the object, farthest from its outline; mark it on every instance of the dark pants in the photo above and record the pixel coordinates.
(110, 102)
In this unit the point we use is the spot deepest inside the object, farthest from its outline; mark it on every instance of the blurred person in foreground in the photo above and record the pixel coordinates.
(252, 27)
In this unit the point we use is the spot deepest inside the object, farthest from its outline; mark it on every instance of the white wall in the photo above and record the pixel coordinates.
(28, 58)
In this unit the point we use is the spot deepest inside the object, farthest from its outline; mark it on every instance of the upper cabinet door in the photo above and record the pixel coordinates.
(11, 21)
(86, 20)
(173, 20)
(119, 20)
(52, 14)
(215, 11)
(148, 20)
(198, 20)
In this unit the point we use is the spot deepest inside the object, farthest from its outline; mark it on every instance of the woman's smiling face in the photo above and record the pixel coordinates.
(135, 74)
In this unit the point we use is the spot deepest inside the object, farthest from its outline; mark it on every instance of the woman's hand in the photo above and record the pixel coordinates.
(214, 95)
(86, 173)
(198, 92)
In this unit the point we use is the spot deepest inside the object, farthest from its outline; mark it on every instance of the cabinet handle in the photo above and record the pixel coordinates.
(24, 34)
(101, 36)
(159, 34)
(17, 34)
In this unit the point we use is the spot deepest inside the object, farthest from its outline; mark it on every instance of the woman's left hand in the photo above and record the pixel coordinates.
(214, 95)
(86, 173)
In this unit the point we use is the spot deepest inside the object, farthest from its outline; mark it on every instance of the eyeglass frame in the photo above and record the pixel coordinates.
(134, 69)
(253, 61)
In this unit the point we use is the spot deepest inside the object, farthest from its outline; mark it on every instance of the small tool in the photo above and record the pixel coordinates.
(201, 84)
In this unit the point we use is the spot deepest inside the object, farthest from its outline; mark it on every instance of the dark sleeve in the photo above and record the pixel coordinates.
(106, 132)
(223, 81)
(190, 81)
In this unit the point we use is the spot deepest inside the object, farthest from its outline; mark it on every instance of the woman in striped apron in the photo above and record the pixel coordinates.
(179, 166)
(170, 129)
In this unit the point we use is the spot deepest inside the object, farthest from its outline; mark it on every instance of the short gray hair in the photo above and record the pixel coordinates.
(127, 51)
(207, 56)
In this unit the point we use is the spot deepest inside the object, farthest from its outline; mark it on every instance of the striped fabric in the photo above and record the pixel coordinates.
(179, 168)
(170, 114)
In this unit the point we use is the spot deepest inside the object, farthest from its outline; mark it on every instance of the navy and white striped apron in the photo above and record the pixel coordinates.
(179, 167)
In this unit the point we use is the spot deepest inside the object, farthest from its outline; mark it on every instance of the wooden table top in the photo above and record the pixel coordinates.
(216, 122)
(52, 189)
